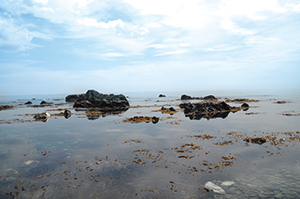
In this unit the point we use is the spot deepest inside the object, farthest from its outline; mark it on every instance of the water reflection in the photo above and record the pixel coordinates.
(109, 158)
(93, 114)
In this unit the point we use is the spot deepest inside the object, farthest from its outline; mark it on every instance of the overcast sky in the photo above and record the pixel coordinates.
(69, 46)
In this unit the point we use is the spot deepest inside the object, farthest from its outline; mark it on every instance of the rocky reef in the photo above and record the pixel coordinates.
(209, 110)
(94, 99)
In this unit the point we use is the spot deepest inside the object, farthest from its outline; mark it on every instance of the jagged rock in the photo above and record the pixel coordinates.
(94, 99)
(161, 95)
(42, 116)
(67, 114)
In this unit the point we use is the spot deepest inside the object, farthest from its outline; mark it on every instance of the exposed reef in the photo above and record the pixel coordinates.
(208, 97)
(94, 99)
(209, 110)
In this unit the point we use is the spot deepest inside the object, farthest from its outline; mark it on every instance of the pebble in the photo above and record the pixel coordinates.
(227, 183)
(214, 187)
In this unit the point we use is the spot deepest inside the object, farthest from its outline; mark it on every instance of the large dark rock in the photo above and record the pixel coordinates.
(162, 95)
(74, 97)
(185, 97)
(210, 97)
(94, 99)
(208, 110)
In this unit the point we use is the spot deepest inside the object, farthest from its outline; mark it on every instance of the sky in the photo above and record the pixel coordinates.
(70, 46)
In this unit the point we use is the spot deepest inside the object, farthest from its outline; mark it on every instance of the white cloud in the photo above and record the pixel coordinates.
(227, 24)
(93, 22)
(14, 37)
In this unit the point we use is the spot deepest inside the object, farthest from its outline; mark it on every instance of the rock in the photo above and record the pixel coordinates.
(227, 183)
(208, 110)
(245, 105)
(94, 99)
(258, 140)
(185, 97)
(43, 102)
(42, 116)
(4, 107)
(161, 95)
(29, 102)
(83, 104)
(140, 119)
(155, 119)
(210, 97)
(74, 97)
(67, 114)
(214, 187)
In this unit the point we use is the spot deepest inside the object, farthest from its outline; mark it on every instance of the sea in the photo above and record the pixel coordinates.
(249, 153)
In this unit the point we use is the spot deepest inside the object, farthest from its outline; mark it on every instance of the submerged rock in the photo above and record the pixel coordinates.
(94, 99)
(29, 102)
(42, 116)
(214, 187)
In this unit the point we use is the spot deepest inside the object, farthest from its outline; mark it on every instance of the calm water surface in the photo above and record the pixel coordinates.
(100, 156)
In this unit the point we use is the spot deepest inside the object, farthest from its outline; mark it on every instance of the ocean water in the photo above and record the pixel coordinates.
(98, 155)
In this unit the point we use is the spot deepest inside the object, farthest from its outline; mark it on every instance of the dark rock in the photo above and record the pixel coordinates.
(94, 99)
(83, 104)
(185, 97)
(155, 119)
(172, 109)
(45, 103)
(67, 114)
(74, 97)
(42, 116)
(210, 97)
(161, 95)
(29, 102)
(4, 107)
(245, 105)
(258, 140)
(207, 110)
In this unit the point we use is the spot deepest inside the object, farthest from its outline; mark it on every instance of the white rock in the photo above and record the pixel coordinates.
(214, 187)
(227, 183)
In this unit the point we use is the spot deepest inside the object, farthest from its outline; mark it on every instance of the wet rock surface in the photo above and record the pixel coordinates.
(140, 119)
(208, 110)
(94, 99)
(42, 116)
(258, 140)
(4, 107)
(162, 95)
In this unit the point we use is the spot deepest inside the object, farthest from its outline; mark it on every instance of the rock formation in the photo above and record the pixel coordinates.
(94, 99)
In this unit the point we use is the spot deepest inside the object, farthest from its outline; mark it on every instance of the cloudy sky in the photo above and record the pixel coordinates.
(55, 46)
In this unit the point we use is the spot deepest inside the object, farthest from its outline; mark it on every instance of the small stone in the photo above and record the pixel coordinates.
(214, 187)
(227, 183)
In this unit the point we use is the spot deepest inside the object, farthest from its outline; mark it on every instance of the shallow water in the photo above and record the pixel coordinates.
(104, 157)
